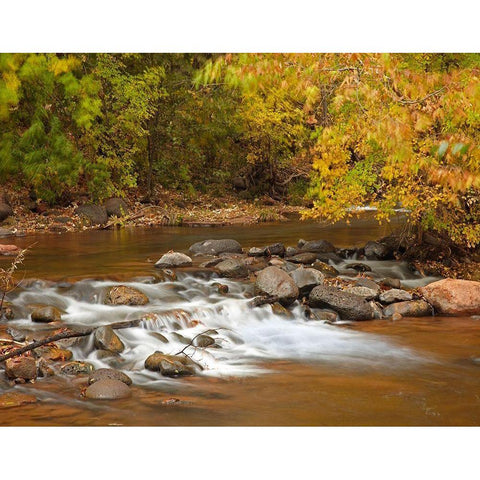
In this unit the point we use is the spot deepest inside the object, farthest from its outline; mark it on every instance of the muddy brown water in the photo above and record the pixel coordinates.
(437, 383)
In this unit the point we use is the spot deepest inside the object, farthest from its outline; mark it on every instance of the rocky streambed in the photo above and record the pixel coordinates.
(218, 310)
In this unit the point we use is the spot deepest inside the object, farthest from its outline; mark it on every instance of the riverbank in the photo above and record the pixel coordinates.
(169, 209)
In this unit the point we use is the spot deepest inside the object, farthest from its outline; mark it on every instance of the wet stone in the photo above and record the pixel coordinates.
(170, 365)
(46, 314)
(77, 368)
(16, 399)
(123, 295)
(395, 295)
(359, 267)
(109, 373)
(21, 367)
(203, 341)
(108, 389)
(106, 339)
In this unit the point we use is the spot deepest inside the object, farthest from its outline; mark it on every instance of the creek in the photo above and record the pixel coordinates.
(264, 369)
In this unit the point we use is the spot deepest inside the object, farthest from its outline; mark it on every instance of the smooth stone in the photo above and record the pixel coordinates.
(46, 314)
(95, 214)
(123, 295)
(453, 297)
(318, 246)
(306, 279)
(273, 281)
(77, 368)
(348, 305)
(215, 247)
(107, 389)
(305, 258)
(232, 268)
(170, 365)
(116, 207)
(109, 373)
(21, 367)
(365, 292)
(413, 308)
(174, 259)
(395, 295)
(377, 251)
(325, 268)
(106, 339)
(203, 341)
(359, 267)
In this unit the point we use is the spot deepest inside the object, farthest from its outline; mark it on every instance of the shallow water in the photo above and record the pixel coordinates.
(266, 369)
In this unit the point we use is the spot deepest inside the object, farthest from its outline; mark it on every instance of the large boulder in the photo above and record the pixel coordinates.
(215, 247)
(170, 365)
(107, 389)
(453, 297)
(273, 281)
(123, 295)
(318, 246)
(106, 339)
(46, 314)
(21, 367)
(116, 207)
(377, 251)
(232, 268)
(95, 214)
(174, 259)
(413, 308)
(306, 279)
(348, 305)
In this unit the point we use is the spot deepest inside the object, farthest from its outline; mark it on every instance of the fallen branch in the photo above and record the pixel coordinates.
(67, 334)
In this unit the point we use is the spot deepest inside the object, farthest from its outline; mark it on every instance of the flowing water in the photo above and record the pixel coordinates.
(264, 369)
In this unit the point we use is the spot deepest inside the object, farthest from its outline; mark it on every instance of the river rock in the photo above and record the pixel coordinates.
(5, 211)
(106, 339)
(203, 341)
(366, 282)
(21, 367)
(107, 389)
(273, 281)
(325, 268)
(317, 246)
(174, 259)
(170, 365)
(5, 232)
(232, 268)
(211, 263)
(9, 250)
(359, 267)
(377, 251)
(306, 258)
(348, 305)
(46, 314)
(323, 315)
(412, 308)
(95, 214)
(364, 292)
(291, 251)
(111, 374)
(16, 399)
(116, 207)
(215, 247)
(53, 353)
(256, 252)
(307, 278)
(391, 282)
(275, 249)
(123, 295)
(77, 368)
(395, 295)
(453, 297)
